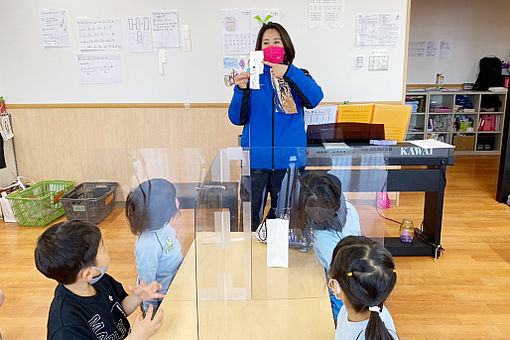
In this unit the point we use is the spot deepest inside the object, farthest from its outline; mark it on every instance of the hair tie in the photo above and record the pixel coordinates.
(349, 274)
(395, 271)
(375, 309)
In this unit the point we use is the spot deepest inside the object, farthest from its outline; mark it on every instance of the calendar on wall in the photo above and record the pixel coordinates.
(241, 26)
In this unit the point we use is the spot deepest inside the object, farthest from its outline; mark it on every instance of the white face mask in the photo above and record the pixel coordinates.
(102, 270)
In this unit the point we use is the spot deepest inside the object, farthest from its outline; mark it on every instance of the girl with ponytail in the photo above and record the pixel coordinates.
(363, 275)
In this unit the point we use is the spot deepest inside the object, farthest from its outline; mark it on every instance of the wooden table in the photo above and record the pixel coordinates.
(240, 298)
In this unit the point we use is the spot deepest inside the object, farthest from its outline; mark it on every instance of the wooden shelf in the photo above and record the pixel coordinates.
(448, 99)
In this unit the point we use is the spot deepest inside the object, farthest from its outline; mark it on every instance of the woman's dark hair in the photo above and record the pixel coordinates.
(317, 190)
(66, 248)
(151, 205)
(366, 273)
(290, 52)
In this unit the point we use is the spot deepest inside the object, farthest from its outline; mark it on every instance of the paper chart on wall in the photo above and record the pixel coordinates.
(445, 50)
(99, 34)
(99, 68)
(326, 13)
(139, 34)
(54, 28)
(378, 29)
(239, 28)
(416, 49)
(166, 29)
(432, 49)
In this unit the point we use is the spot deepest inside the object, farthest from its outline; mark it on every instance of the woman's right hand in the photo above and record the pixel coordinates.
(241, 80)
(143, 328)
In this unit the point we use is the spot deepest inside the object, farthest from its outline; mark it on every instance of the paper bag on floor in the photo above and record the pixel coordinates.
(7, 212)
(277, 242)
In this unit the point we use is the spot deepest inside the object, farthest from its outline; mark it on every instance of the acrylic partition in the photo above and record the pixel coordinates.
(324, 195)
(224, 287)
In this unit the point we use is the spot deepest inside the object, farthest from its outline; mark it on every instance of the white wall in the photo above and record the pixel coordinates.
(31, 73)
(475, 28)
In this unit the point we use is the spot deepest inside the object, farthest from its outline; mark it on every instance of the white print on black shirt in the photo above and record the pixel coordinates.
(97, 327)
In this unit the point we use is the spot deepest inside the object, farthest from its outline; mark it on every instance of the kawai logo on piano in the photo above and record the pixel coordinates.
(416, 152)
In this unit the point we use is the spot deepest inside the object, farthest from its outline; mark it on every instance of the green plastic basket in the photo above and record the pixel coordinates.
(40, 204)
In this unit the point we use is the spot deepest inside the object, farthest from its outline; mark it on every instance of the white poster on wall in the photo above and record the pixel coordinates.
(139, 34)
(54, 28)
(99, 34)
(99, 68)
(378, 29)
(166, 29)
(326, 13)
(445, 50)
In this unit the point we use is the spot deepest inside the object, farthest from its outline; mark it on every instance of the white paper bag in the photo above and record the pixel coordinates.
(6, 209)
(277, 243)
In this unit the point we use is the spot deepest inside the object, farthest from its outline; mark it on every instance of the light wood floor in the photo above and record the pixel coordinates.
(464, 295)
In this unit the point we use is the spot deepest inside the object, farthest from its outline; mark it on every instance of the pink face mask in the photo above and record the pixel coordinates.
(274, 54)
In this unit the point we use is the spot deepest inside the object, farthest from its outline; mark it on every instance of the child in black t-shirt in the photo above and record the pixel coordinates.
(88, 303)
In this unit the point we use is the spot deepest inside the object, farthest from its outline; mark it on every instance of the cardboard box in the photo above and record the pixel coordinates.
(464, 142)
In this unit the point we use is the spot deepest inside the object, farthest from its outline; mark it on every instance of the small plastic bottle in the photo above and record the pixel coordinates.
(406, 231)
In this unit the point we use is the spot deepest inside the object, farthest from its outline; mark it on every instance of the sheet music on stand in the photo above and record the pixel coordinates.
(320, 115)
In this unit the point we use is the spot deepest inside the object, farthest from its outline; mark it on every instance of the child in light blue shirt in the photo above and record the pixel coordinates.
(329, 216)
(150, 208)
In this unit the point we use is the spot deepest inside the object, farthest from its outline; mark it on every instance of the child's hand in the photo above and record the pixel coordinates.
(1, 297)
(145, 292)
(278, 70)
(241, 80)
(143, 328)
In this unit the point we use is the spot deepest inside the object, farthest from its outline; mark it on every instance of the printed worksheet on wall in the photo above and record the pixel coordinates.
(326, 13)
(378, 29)
(166, 29)
(99, 34)
(99, 68)
(139, 34)
(54, 28)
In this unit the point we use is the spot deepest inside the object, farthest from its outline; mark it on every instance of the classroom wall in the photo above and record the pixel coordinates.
(124, 145)
(475, 28)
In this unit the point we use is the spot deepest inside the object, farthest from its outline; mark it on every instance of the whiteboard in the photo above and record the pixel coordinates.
(32, 74)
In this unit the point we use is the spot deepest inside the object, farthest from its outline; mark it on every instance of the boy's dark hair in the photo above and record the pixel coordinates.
(371, 282)
(318, 190)
(151, 205)
(66, 248)
(290, 52)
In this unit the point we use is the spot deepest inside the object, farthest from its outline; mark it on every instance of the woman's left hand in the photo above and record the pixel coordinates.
(278, 70)
(145, 292)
